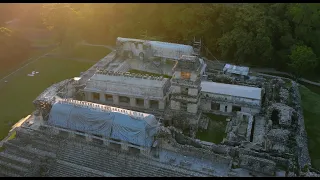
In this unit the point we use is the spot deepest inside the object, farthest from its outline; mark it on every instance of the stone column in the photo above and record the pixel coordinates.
(229, 109)
(161, 104)
(146, 103)
(133, 102)
(89, 96)
(102, 97)
(222, 107)
(115, 99)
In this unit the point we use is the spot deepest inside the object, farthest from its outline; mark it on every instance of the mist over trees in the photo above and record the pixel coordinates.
(278, 35)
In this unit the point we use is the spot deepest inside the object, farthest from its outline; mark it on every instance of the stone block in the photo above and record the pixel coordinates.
(133, 102)
(72, 134)
(115, 99)
(88, 138)
(145, 151)
(124, 146)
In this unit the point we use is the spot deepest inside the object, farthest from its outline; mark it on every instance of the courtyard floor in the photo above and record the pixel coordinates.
(216, 129)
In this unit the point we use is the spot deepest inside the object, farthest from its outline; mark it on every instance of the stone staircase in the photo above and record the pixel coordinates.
(39, 153)
(12, 165)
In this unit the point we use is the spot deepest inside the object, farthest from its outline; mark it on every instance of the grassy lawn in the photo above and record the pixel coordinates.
(216, 129)
(43, 42)
(148, 73)
(93, 53)
(34, 54)
(311, 112)
(17, 95)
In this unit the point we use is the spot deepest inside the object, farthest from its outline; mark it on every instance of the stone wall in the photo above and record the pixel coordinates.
(257, 164)
(301, 136)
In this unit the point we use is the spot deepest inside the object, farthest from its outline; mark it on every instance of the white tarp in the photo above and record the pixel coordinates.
(111, 124)
(158, 48)
(170, 50)
(233, 69)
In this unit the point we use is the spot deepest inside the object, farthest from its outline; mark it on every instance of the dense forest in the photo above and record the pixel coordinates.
(278, 35)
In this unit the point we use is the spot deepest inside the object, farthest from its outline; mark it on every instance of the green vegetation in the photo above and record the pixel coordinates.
(14, 49)
(311, 112)
(93, 53)
(302, 59)
(43, 42)
(17, 95)
(171, 62)
(33, 55)
(287, 83)
(148, 73)
(2, 148)
(216, 129)
(13, 135)
(284, 36)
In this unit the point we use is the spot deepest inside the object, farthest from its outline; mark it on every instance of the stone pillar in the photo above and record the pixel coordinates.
(207, 106)
(146, 103)
(102, 97)
(222, 107)
(133, 102)
(124, 146)
(115, 99)
(229, 109)
(89, 96)
(162, 104)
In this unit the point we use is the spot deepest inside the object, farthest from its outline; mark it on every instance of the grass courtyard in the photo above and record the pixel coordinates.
(17, 94)
(311, 112)
(216, 129)
(93, 53)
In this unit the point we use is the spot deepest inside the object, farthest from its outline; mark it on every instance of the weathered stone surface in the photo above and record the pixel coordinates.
(279, 135)
(257, 164)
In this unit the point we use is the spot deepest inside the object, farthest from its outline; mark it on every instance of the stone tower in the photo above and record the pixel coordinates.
(185, 93)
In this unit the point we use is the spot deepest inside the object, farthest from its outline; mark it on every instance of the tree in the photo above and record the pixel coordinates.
(14, 48)
(305, 20)
(250, 38)
(303, 60)
(64, 20)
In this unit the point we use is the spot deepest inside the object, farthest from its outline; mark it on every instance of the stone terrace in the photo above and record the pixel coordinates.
(45, 154)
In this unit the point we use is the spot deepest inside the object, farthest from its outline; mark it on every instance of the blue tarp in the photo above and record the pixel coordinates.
(111, 124)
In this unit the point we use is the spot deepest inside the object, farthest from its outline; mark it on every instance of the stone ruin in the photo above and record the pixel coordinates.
(271, 143)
